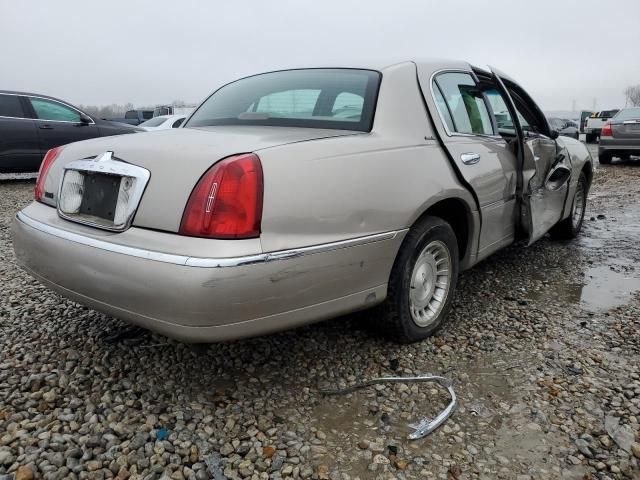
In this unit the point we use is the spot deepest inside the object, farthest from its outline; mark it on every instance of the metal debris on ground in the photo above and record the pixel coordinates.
(214, 468)
(426, 425)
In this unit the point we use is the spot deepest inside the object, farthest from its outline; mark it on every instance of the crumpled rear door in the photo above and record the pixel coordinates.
(544, 176)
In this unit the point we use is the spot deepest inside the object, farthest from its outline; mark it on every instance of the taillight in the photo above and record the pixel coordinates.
(227, 201)
(606, 130)
(47, 161)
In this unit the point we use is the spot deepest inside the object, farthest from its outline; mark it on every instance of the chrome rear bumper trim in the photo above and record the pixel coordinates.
(201, 262)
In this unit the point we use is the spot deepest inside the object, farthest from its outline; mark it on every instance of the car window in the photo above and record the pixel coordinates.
(626, 114)
(465, 103)
(607, 113)
(10, 106)
(52, 110)
(556, 123)
(177, 123)
(347, 106)
(290, 103)
(131, 114)
(443, 109)
(504, 120)
(147, 114)
(154, 122)
(308, 98)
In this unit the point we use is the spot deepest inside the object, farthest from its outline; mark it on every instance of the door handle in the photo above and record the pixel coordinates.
(470, 158)
(46, 127)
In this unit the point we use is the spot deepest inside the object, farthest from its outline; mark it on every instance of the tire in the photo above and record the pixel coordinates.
(570, 227)
(430, 244)
(604, 158)
(588, 138)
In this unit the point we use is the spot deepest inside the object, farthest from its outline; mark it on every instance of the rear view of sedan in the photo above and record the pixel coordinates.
(294, 196)
(620, 136)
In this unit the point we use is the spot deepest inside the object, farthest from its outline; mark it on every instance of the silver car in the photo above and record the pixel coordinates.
(620, 136)
(294, 196)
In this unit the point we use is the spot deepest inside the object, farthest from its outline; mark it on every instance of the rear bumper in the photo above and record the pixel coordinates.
(207, 299)
(619, 145)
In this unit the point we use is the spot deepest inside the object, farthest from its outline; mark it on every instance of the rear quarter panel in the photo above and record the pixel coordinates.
(339, 188)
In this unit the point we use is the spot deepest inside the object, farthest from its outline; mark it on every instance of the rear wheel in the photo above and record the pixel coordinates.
(588, 138)
(571, 226)
(604, 158)
(422, 282)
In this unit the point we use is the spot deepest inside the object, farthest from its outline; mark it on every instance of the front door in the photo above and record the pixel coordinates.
(545, 165)
(59, 124)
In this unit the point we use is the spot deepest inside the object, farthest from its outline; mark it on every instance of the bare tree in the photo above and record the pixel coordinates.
(632, 94)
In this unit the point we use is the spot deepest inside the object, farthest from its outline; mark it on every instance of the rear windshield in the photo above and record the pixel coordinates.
(628, 114)
(314, 98)
(607, 113)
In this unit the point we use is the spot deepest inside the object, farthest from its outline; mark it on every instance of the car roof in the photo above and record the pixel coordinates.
(29, 94)
(379, 64)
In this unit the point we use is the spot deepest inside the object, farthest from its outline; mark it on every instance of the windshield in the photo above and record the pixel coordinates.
(313, 98)
(628, 114)
(154, 122)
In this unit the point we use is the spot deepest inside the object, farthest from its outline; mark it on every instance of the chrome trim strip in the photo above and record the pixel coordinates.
(200, 262)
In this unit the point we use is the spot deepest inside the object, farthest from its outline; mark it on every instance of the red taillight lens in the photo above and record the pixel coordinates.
(48, 159)
(606, 130)
(227, 200)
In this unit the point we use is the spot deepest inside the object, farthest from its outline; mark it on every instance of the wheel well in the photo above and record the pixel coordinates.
(455, 212)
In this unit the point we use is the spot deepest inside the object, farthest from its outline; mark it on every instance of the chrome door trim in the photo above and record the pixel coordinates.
(203, 262)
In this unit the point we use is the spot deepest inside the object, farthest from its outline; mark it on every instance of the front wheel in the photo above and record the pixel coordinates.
(570, 227)
(422, 282)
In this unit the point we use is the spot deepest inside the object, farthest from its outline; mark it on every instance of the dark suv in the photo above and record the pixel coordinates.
(31, 124)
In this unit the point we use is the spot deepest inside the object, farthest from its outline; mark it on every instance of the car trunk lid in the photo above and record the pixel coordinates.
(176, 159)
(626, 128)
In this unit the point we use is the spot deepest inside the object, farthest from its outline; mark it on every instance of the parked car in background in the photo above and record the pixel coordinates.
(564, 127)
(620, 136)
(273, 207)
(163, 122)
(171, 110)
(134, 117)
(31, 124)
(584, 114)
(593, 124)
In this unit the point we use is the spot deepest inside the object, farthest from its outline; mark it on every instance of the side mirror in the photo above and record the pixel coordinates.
(554, 134)
(85, 119)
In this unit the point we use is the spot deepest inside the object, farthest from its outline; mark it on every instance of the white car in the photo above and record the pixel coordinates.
(163, 122)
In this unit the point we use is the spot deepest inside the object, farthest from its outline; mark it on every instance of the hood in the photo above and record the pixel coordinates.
(176, 159)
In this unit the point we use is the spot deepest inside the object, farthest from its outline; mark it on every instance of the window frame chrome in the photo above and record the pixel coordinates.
(50, 100)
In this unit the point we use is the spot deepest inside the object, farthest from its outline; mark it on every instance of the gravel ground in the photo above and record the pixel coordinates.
(543, 346)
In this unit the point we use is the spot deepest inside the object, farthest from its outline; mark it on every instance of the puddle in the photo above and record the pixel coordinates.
(604, 288)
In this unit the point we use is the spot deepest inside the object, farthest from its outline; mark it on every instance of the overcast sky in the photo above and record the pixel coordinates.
(150, 52)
